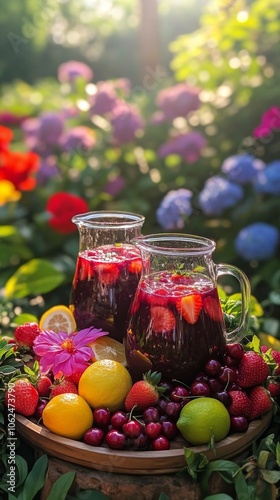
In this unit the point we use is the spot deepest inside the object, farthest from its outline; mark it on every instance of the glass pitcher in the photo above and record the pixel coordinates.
(108, 270)
(176, 322)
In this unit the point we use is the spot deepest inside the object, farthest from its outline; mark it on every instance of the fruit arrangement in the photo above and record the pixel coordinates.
(77, 385)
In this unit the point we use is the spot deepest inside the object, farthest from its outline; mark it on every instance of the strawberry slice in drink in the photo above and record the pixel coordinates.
(135, 266)
(213, 308)
(189, 307)
(158, 297)
(108, 273)
(162, 319)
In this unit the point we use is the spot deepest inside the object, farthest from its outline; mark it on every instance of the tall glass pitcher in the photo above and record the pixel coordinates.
(176, 321)
(107, 271)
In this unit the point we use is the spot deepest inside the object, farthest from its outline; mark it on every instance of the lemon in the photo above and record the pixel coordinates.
(105, 383)
(202, 419)
(108, 348)
(68, 415)
(58, 319)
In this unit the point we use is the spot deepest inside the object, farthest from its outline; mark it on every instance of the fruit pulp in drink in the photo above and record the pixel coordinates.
(176, 325)
(104, 285)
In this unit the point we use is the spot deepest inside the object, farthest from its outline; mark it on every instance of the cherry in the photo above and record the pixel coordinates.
(201, 377)
(230, 362)
(167, 386)
(151, 414)
(212, 367)
(101, 417)
(162, 404)
(118, 419)
(228, 375)
(224, 397)
(40, 407)
(215, 385)
(115, 439)
(160, 443)
(172, 409)
(179, 393)
(239, 424)
(153, 429)
(200, 389)
(94, 436)
(132, 429)
(235, 351)
(169, 429)
(140, 443)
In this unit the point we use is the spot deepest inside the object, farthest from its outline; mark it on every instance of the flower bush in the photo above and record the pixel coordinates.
(105, 145)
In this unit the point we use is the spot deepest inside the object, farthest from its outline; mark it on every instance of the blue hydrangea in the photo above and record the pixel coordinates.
(174, 209)
(258, 241)
(219, 194)
(242, 168)
(268, 180)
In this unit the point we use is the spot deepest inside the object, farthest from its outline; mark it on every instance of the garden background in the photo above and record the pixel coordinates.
(168, 109)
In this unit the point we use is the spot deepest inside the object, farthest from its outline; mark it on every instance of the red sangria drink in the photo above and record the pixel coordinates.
(176, 325)
(104, 285)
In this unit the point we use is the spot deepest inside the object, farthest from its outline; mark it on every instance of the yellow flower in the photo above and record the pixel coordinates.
(8, 192)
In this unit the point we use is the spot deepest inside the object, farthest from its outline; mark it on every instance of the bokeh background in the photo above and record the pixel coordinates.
(166, 108)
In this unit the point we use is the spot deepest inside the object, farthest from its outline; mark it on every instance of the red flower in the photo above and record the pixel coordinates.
(6, 136)
(62, 207)
(19, 168)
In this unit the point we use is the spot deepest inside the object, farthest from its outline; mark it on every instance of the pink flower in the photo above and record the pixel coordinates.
(176, 101)
(126, 122)
(104, 100)
(66, 353)
(71, 70)
(188, 146)
(270, 121)
(80, 139)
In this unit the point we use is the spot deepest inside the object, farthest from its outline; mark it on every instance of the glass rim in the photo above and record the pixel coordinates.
(148, 242)
(101, 219)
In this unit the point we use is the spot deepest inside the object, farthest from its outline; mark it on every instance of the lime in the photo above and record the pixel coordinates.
(203, 419)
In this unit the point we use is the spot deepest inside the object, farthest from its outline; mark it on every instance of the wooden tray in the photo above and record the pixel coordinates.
(134, 462)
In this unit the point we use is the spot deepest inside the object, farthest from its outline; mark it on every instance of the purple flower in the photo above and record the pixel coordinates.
(178, 100)
(50, 128)
(270, 121)
(242, 168)
(63, 352)
(257, 241)
(48, 169)
(104, 100)
(268, 180)
(188, 146)
(219, 194)
(174, 209)
(81, 139)
(126, 122)
(7, 118)
(30, 129)
(71, 70)
(115, 185)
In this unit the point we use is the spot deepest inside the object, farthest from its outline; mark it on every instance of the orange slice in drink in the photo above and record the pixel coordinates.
(107, 348)
(58, 319)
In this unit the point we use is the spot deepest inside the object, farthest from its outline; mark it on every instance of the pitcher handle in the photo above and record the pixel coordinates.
(239, 332)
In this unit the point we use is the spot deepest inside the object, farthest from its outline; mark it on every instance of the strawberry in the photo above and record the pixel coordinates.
(75, 377)
(43, 386)
(261, 401)
(22, 396)
(135, 266)
(144, 393)
(189, 307)
(26, 334)
(162, 319)
(252, 370)
(158, 298)
(107, 273)
(212, 307)
(241, 405)
(62, 386)
(273, 387)
(276, 357)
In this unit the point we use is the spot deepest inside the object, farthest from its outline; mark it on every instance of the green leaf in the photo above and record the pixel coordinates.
(277, 453)
(37, 276)
(270, 476)
(218, 496)
(24, 318)
(61, 486)
(22, 468)
(163, 496)
(35, 479)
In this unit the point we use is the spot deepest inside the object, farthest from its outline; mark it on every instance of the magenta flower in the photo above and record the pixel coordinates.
(80, 139)
(126, 122)
(104, 100)
(66, 353)
(270, 122)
